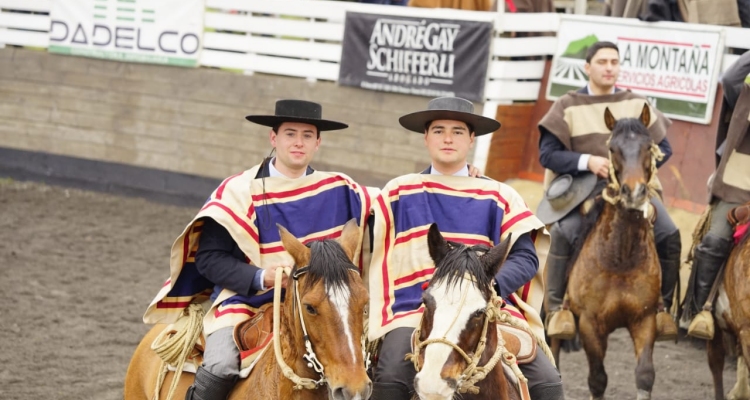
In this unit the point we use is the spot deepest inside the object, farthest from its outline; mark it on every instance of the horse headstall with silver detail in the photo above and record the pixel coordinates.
(310, 356)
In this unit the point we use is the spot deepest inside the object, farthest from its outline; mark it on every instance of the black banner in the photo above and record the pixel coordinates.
(419, 56)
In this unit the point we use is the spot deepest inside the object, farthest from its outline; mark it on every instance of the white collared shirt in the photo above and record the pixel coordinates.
(461, 172)
(274, 173)
(588, 89)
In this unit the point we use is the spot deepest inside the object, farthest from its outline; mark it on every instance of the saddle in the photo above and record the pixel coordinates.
(253, 335)
(739, 215)
(518, 342)
(521, 344)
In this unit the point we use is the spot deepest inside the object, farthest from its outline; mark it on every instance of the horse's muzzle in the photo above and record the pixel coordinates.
(634, 197)
(348, 393)
(444, 390)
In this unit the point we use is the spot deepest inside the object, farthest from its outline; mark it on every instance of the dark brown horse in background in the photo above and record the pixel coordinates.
(332, 299)
(615, 278)
(732, 316)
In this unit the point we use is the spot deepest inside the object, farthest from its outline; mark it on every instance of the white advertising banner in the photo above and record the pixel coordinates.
(675, 65)
(147, 31)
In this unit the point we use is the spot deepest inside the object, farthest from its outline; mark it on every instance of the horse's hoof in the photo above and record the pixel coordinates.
(596, 398)
(643, 395)
(738, 395)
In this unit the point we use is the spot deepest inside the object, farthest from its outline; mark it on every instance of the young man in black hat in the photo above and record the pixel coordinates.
(229, 252)
(467, 209)
(573, 142)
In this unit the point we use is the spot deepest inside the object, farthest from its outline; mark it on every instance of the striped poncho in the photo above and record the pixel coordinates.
(315, 206)
(577, 120)
(731, 182)
(467, 210)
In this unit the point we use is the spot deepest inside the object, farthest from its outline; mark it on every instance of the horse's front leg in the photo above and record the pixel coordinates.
(594, 339)
(643, 334)
(716, 354)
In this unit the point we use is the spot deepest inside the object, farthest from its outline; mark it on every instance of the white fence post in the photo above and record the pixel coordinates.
(580, 7)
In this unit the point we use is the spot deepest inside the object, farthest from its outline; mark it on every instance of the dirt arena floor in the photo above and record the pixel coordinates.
(77, 270)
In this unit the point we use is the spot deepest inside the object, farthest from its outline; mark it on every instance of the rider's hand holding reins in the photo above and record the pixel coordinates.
(270, 275)
(599, 166)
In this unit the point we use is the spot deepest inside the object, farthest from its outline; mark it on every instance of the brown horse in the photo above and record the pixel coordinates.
(332, 299)
(461, 293)
(615, 277)
(732, 316)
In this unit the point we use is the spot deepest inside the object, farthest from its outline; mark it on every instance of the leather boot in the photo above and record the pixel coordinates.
(208, 386)
(710, 255)
(389, 391)
(669, 251)
(560, 322)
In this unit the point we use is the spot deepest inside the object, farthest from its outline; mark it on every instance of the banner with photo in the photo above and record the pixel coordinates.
(675, 65)
(418, 56)
(158, 32)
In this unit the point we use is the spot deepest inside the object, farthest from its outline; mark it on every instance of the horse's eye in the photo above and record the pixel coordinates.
(310, 309)
(477, 314)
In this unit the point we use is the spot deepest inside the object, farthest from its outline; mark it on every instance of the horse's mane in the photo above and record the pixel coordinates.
(329, 263)
(744, 238)
(461, 260)
(588, 221)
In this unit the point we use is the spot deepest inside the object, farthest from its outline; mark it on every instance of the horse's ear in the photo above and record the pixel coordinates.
(609, 119)
(493, 259)
(350, 238)
(437, 244)
(646, 115)
(299, 252)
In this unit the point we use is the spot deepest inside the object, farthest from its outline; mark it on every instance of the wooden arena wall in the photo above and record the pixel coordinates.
(189, 121)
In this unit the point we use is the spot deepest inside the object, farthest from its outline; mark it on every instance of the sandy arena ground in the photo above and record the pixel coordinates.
(77, 270)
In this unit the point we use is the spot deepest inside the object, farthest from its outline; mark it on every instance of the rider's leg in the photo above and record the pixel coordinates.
(709, 256)
(218, 374)
(393, 377)
(560, 323)
(545, 382)
(668, 248)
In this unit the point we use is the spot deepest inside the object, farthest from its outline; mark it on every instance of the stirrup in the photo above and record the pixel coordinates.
(562, 325)
(666, 329)
(702, 326)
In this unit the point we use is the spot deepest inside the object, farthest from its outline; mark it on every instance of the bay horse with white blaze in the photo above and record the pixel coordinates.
(331, 298)
(615, 278)
(732, 316)
(449, 348)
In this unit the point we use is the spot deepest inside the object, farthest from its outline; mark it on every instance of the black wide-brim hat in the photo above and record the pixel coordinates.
(302, 111)
(453, 108)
